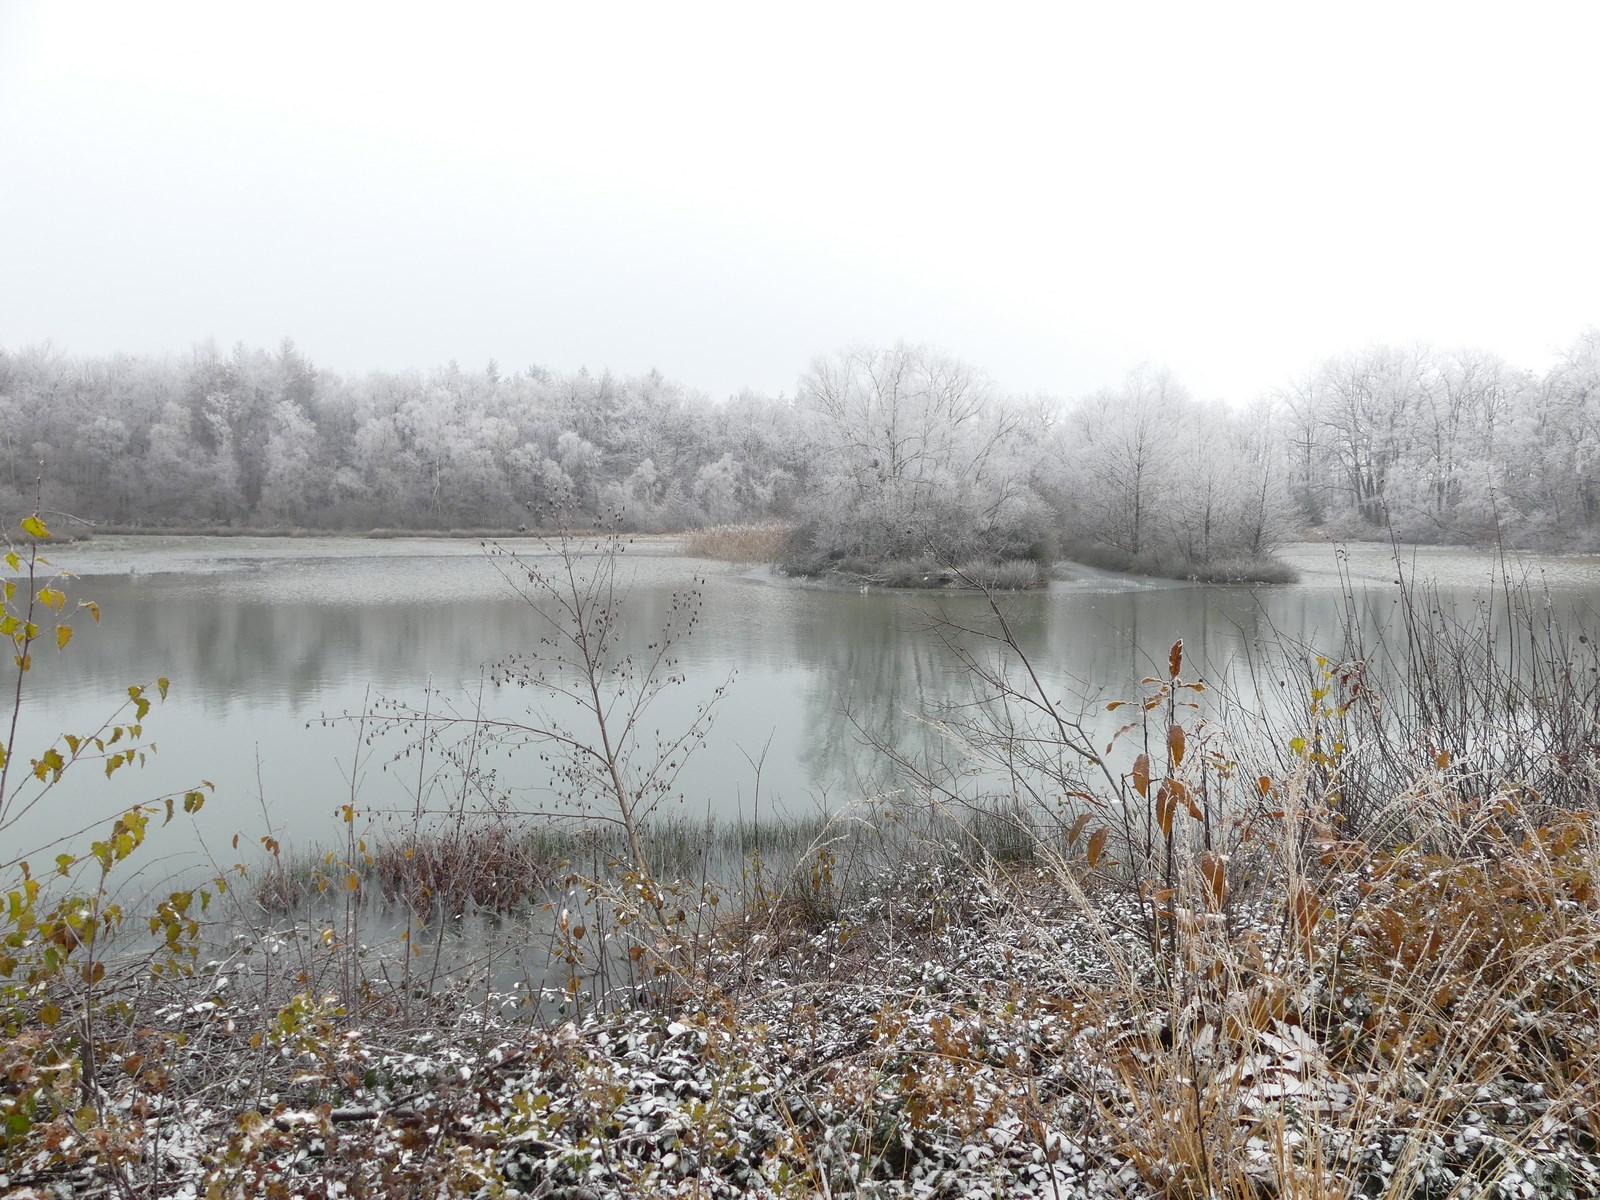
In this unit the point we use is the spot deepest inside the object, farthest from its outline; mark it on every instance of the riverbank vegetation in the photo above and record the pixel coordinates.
(1345, 946)
(758, 543)
(880, 454)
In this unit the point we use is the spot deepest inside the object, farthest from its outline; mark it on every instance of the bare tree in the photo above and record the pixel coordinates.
(915, 451)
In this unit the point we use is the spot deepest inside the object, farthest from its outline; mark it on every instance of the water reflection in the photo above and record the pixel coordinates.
(258, 647)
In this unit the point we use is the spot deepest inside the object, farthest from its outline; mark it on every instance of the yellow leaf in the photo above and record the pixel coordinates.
(161, 686)
(34, 527)
(63, 636)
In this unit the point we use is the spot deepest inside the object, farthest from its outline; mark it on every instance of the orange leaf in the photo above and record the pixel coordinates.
(1442, 759)
(1166, 806)
(1190, 803)
(1141, 775)
(1097, 844)
(1264, 784)
(1175, 658)
(1176, 743)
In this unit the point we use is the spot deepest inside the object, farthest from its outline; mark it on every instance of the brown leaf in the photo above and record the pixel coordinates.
(1097, 844)
(1166, 806)
(1307, 912)
(1187, 796)
(1175, 743)
(1175, 659)
(1214, 870)
(1141, 775)
(1074, 833)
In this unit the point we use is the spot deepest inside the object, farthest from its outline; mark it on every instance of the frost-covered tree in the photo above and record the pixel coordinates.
(914, 454)
(1121, 448)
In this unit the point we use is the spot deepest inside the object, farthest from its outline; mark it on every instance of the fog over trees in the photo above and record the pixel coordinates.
(879, 452)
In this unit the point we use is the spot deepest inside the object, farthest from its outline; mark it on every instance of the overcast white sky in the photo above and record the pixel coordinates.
(1054, 192)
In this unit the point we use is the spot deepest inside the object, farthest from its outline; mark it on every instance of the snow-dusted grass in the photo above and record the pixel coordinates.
(1332, 1023)
(1014, 574)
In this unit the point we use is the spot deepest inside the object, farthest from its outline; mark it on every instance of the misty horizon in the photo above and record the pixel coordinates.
(722, 195)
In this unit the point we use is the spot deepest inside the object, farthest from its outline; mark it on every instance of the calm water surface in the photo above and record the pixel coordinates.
(263, 637)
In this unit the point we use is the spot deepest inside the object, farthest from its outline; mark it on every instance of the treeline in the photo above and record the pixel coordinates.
(879, 453)
(263, 438)
(1448, 446)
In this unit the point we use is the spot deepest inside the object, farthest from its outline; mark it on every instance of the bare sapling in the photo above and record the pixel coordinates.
(591, 684)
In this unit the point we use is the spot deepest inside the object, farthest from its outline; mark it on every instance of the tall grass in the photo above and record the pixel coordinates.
(761, 543)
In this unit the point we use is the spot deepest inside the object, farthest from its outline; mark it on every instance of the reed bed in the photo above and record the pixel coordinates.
(757, 543)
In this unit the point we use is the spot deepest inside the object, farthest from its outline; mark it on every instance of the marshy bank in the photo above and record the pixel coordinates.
(792, 552)
(952, 1024)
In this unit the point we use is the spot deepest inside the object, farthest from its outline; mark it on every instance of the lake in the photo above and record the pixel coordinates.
(265, 640)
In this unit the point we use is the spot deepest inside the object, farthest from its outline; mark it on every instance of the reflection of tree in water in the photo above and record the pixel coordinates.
(827, 674)
(877, 670)
(886, 676)
(227, 650)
